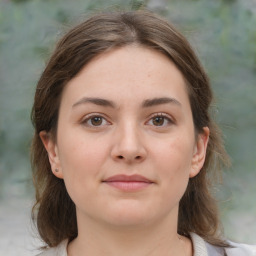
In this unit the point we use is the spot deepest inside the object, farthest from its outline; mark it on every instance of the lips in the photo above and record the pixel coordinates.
(128, 183)
(127, 178)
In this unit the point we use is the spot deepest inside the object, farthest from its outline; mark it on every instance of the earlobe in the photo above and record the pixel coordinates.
(199, 152)
(52, 151)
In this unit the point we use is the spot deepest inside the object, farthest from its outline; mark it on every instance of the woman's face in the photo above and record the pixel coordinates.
(126, 145)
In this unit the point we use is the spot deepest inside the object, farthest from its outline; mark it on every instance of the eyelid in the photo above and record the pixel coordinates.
(170, 119)
(95, 114)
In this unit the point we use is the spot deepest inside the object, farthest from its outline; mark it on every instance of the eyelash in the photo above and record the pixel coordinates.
(166, 117)
(89, 117)
(94, 115)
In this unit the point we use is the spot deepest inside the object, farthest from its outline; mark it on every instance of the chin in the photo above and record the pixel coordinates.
(128, 222)
(129, 216)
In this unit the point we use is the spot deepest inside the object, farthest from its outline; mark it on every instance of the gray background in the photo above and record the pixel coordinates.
(223, 33)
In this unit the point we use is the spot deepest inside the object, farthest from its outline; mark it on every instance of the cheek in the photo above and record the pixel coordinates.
(173, 164)
(81, 164)
(175, 154)
(78, 149)
(81, 160)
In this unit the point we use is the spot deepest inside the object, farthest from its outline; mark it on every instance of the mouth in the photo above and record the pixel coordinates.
(128, 183)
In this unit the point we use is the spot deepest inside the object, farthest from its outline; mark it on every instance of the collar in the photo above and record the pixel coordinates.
(200, 248)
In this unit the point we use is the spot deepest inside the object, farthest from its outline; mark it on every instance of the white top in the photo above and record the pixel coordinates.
(201, 248)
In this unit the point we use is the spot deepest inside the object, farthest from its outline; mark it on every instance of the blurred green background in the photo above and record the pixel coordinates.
(223, 34)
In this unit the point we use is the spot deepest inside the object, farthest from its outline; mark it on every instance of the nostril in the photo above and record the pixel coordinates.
(135, 158)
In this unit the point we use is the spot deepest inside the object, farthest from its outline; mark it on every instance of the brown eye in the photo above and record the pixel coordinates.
(158, 120)
(96, 120)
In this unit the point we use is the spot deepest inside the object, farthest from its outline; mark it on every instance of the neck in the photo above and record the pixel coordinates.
(152, 240)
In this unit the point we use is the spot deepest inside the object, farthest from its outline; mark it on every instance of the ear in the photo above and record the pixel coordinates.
(52, 151)
(199, 152)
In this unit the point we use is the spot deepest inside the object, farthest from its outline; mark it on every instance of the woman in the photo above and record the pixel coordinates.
(124, 146)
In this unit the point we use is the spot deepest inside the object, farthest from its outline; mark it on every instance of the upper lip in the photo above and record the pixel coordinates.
(127, 178)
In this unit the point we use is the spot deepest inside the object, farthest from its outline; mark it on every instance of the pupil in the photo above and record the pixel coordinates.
(96, 120)
(158, 121)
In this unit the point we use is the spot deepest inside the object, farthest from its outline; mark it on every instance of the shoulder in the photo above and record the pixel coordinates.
(60, 250)
(241, 250)
(203, 248)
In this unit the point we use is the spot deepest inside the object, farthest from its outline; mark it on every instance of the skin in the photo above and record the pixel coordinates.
(155, 139)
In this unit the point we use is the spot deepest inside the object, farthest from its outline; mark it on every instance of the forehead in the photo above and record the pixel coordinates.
(132, 73)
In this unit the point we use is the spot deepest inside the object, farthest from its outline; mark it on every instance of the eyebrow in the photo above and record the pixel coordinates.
(145, 104)
(159, 101)
(96, 101)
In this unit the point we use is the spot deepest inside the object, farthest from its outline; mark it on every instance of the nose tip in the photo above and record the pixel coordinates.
(128, 148)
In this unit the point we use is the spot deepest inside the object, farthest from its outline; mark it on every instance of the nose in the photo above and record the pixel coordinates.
(128, 145)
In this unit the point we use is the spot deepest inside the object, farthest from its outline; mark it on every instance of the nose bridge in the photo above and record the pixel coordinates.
(128, 141)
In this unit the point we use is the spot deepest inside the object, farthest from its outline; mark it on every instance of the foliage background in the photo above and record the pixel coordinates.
(223, 33)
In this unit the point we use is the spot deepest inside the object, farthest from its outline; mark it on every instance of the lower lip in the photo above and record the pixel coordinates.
(128, 186)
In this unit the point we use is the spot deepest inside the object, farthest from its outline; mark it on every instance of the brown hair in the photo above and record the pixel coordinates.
(54, 210)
